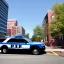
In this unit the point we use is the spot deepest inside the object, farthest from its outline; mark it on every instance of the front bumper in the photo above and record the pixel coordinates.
(43, 48)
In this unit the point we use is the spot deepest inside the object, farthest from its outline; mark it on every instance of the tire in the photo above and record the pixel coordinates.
(35, 51)
(4, 50)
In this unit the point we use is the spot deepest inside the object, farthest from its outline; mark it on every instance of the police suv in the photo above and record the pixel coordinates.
(21, 44)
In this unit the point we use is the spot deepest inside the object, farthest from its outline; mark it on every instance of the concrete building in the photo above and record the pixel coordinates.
(46, 23)
(3, 18)
(14, 29)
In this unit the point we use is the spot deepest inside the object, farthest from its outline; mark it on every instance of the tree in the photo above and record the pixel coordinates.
(57, 24)
(33, 38)
(37, 36)
(27, 35)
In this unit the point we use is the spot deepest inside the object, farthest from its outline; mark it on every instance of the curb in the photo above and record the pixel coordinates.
(52, 52)
(56, 53)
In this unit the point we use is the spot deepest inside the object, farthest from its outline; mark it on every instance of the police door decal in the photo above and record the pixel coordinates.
(25, 46)
(15, 46)
(20, 46)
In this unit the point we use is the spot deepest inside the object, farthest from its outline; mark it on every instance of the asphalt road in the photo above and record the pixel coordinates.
(30, 59)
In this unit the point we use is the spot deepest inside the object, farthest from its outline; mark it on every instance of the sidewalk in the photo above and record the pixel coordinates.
(57, 52)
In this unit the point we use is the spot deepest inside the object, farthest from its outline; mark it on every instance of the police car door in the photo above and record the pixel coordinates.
(14, 43)
(18, 43)
(24, 44)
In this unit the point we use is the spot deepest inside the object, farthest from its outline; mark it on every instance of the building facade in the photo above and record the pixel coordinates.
(46, 23)
(11, 22)
(14, 29)
(3, 18)
(10, 26)
(17, 30)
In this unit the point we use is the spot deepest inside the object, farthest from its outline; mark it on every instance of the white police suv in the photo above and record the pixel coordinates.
(21, 44)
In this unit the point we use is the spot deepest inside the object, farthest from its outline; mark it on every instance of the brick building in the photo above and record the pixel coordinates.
(14, 29)
(46, 23)
(11, 22)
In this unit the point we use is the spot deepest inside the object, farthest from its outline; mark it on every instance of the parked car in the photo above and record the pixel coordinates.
(21, 44)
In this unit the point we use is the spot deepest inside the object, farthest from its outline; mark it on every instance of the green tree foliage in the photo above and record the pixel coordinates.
(37, 36)
(57, 24)
(33, 38)
(27, 35)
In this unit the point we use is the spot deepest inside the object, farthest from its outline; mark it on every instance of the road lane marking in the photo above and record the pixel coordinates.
(55, 53)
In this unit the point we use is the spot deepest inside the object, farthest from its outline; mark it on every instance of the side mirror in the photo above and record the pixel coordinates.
(26, 42)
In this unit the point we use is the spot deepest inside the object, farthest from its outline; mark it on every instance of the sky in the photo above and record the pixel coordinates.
(29, 13)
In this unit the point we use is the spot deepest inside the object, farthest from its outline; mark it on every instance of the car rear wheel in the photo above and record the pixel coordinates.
(4, 50)
(35, 51)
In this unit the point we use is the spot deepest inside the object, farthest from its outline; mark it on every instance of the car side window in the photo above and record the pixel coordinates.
(1, 40)
(23, 40)
(18, 40)
(12, 40)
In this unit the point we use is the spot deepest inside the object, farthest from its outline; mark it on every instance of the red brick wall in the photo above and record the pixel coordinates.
(50, 14)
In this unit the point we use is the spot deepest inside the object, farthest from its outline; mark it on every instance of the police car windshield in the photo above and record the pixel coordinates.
(27, 39)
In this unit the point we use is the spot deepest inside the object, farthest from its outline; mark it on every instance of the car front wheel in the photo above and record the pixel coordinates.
(35, 51)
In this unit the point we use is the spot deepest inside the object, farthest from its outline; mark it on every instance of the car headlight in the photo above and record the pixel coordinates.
(43, 44)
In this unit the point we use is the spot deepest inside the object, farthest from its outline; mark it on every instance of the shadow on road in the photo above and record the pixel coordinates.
(22, 52)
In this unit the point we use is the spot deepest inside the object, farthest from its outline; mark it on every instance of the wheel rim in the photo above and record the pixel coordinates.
(35, 51)
(4, 50)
